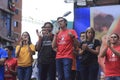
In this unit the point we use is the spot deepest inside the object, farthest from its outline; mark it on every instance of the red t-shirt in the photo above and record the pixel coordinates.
(10, 64)
(65, 44)
(112, 63)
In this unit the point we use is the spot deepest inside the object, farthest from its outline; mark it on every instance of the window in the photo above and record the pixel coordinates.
(15, 24)
(5, 23)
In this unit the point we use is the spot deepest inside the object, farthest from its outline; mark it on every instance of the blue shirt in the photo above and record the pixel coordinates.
(3, 54)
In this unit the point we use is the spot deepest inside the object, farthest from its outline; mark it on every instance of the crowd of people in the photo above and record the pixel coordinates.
(62, 55)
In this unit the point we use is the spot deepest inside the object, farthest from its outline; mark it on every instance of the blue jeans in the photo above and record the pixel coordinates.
(113, 78)
(63, 67)
(24, 73)
(89, 72)
(1, 72)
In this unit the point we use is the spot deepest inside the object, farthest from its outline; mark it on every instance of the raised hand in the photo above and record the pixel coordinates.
(39, 34)
(105, 40)
(108, 43)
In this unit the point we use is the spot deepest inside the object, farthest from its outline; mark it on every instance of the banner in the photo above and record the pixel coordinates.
(81, 19)
(104, 19)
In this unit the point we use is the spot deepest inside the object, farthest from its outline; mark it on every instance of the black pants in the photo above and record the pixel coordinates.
(47, 71)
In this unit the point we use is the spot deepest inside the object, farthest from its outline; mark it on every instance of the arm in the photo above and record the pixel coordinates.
(103, 50)
(73, 36)
(76, 42)
(115, 51)
(2, 60)
(104, 46)
(54, 44)
(38, 44)
(94, 51)
(18, 51)
(31, 50)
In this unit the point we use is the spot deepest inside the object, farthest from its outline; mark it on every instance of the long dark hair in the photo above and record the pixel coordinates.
(29, 42)
(93, 31)
(48, 23)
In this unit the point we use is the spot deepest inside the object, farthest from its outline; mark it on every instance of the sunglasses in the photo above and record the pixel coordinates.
(113, 36)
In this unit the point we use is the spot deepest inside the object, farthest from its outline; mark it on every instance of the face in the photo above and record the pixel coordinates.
(48, 27)
(25, 36)
(82, 37)
(90, 34)
(114, 39)
(8, 51)
(44, 31)
(61, 23)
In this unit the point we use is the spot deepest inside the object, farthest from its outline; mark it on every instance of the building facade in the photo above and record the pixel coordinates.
(10, 21)
(93, 3)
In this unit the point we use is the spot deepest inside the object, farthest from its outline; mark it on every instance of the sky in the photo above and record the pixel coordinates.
(42, 11)
(36, 12)
(46, 9)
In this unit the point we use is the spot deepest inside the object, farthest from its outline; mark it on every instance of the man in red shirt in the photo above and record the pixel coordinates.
(112, 57)
(63, 43)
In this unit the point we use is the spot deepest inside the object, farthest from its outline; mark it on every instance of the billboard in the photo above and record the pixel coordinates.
(104, 19)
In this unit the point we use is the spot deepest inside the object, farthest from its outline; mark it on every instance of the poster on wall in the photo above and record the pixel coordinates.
(104, 19)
